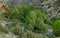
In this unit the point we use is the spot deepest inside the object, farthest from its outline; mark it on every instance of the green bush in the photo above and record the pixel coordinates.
(16, 14)
(35, 21)
(30, 18)
(24, 11)
(19, 12)
(12, 14)
(56, 27)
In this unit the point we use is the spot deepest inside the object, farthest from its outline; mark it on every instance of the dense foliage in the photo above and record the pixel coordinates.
(33, 19)
(56, 27)
(21, 19)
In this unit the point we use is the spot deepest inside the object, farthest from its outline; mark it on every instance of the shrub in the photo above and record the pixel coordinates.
(13, 14)
(19, 12)
(30, 18)
(35, 21)
(24, 11)
(56, 27)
